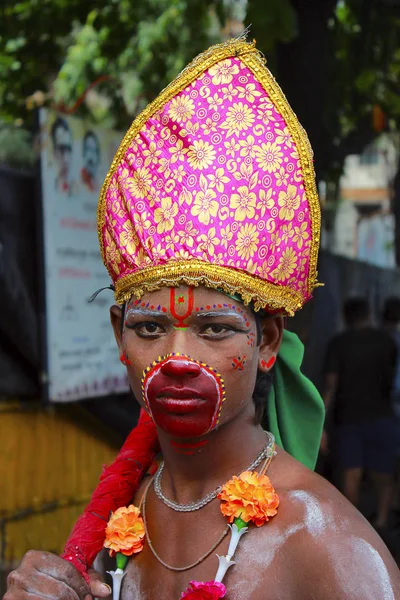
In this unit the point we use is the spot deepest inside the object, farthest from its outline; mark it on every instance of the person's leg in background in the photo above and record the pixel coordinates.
(381, 445)
(350, 458)
(351, 485)
(384, 486)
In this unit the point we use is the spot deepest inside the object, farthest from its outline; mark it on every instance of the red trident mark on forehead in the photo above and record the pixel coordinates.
(185, 303)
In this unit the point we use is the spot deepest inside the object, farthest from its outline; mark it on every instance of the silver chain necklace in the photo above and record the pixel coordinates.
(266, 452)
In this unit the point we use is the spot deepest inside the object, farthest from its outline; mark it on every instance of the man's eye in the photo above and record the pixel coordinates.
(216, 329)
(148, 329)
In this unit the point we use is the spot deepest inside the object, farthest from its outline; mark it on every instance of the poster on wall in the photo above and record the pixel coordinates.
(81, 353)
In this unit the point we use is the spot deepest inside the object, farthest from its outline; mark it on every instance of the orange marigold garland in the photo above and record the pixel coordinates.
(124, 537)
(249, 497)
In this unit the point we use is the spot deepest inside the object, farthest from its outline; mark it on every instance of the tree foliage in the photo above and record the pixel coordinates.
(60, 47)
(336, 62)
(335, 59)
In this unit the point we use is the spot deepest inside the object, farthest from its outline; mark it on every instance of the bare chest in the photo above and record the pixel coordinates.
(255, 576)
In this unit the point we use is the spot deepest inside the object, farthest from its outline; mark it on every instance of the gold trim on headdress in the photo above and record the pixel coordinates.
(197, 272)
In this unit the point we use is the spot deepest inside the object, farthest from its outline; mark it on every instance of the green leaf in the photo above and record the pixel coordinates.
(240, 523)
(122, 560)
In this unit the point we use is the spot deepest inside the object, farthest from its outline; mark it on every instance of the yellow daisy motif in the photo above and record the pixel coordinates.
(188, 234)
(226, 236)
(139, 185)
(214, 102)
(265, 200)
(283, 137)
(151, 153)
(208, 241)
(157, 252)
(200, 155)
(112, 252)
(143, 259)
(178, 151)
(229, 92)
(289, 201)
(282, 176)
(171, 240)
(142, 223)
(244, 203)
(178, 173)
(247, 241)
(231, 147)
(264, 270)
(269, 157)
(153, 197)
(218, 180)
(238, 118)
(265, 114)
(128, 238)
(248, 147)
(223, 71)
(165, 216)
(301, 234)
(286, 233)
(249, 93)
(205, 206)
(181, 109)
(209, 126)
(287, 265)
(165, 167)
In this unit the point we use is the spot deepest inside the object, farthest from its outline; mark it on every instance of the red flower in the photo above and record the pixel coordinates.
(197, 590)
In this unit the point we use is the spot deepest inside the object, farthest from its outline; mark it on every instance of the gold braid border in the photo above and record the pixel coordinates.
(250, 287)
(197, 272)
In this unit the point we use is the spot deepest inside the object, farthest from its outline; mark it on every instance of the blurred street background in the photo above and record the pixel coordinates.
(73, 75)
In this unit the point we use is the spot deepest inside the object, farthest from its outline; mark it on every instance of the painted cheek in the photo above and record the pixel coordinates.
(239, 363)
(182, 400)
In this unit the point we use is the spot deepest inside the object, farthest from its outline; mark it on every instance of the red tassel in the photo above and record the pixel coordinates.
(118, 485)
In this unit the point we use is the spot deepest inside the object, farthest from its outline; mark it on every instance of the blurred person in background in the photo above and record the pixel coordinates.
(360, 366)
(391, 323)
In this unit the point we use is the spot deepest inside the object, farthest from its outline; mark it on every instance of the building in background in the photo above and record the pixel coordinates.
(364, 225)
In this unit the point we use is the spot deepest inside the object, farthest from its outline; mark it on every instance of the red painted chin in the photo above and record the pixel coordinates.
(183, 403)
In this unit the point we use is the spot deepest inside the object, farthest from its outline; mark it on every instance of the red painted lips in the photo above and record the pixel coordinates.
(184, 398)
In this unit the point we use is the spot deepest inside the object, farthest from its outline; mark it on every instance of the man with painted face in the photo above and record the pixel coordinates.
(209, 227)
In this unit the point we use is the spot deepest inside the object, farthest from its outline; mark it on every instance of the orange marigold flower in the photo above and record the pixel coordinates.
(250, 497)
(125, 531)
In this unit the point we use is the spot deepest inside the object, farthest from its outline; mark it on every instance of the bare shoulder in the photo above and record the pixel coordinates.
(334, 553)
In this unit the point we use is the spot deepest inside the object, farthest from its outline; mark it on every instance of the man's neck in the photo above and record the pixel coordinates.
(194, 467)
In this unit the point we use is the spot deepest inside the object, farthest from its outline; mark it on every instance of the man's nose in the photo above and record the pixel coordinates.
(180, 367)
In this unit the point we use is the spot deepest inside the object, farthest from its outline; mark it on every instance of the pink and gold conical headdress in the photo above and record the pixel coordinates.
(214, 184)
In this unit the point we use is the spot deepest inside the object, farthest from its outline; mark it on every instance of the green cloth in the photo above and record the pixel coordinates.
(295, 408)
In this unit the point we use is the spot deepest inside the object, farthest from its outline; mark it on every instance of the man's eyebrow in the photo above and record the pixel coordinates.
(145, 312)
(221, 313)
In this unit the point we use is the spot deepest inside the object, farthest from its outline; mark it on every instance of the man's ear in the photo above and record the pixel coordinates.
(116, 322)
(271, 337)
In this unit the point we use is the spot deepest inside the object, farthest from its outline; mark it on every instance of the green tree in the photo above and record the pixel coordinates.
(60, 47)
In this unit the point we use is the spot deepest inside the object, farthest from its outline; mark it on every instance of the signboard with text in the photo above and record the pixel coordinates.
(82, 357)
